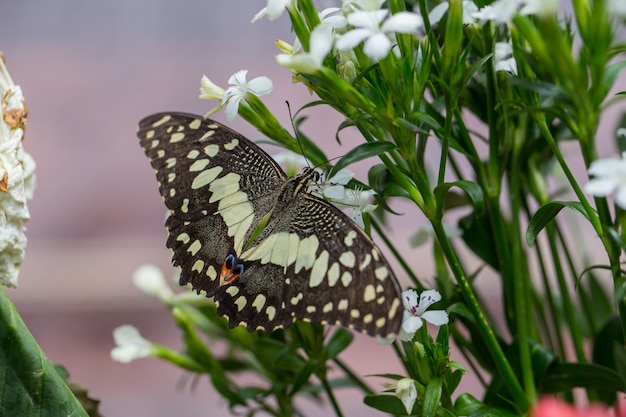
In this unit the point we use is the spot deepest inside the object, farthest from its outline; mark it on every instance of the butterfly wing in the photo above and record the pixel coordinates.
(314, 264)
(217, 186)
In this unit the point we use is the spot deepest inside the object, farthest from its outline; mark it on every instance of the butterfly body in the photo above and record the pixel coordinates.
(268, 251)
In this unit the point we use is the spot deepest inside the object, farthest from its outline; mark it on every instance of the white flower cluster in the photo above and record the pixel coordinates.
(17, 179)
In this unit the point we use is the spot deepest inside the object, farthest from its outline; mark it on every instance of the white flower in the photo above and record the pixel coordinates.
(335, 191)
(415, 312)
(273, 10)
(130, 344)
(320, 44)
(503, 58)
(437, 13)
(210, 91)
(239, 90)
(407, 393)
(503, 11)
(358, 200)
(149, 279)
(609, 176)
(500, 11)
(17, 179)
(375, 31)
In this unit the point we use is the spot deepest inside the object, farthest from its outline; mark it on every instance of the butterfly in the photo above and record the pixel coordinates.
(266, 249)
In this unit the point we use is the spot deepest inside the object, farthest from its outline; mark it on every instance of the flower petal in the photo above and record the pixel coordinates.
(232, 108)
(600, 187)
(260, 86)
(412, 324)
(436, 317)
(437, 12)
(620, 197)
(403, 22)
(410, 299)
(370, 20)
(428, 298)
(352, 38)
(377, 46)
(407, 393)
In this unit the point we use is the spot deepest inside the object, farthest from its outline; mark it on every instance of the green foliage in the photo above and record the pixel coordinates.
(30, 385)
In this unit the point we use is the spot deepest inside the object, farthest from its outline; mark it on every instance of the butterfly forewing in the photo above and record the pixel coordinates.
(301, 258)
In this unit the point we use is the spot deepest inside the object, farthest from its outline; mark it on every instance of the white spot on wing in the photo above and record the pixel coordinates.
(194, 247)
(259, 302)
(318, 272)
(347, 259)
(205, 177)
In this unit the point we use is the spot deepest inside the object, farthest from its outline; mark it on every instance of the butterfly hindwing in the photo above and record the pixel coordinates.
(322, 268)
(300, 257)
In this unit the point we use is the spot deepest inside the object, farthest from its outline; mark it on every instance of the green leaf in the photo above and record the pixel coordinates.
(30, 384)
(467, 405)
(546, 214)
(304, 375)
(389, 404)
(563, 377)
(363, 151)
(611, 73)
(432, 397)
(473, 191)
(340, 340)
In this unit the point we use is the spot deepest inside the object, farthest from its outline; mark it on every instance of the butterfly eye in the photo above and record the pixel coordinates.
(229, 261)
(316, 176)
(238, 269)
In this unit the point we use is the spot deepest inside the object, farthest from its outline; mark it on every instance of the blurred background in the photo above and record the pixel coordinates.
(90, 71)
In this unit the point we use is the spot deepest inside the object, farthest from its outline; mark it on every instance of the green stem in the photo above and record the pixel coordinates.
(521, 282)
(502, 365)
(331, 397)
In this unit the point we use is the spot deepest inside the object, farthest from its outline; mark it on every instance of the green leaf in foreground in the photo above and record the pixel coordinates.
(29, 383)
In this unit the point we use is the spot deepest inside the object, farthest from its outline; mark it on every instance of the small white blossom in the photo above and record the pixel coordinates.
(210, 91)
(17, 179)
(609, 176)
(335, 191)
(437, 13)
(375, 30)
(320, 44)
(239, 90)
(334, 187)
(407, 393)
(503, 11)
(503, 58)
(130, 344)
(273, 10)
(415, 312)
(500, 11)
(149, 279)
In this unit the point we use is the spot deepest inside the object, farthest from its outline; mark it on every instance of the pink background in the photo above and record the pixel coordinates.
(90, 71)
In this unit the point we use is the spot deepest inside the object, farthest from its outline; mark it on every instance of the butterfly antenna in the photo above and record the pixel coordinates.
(295, 131)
